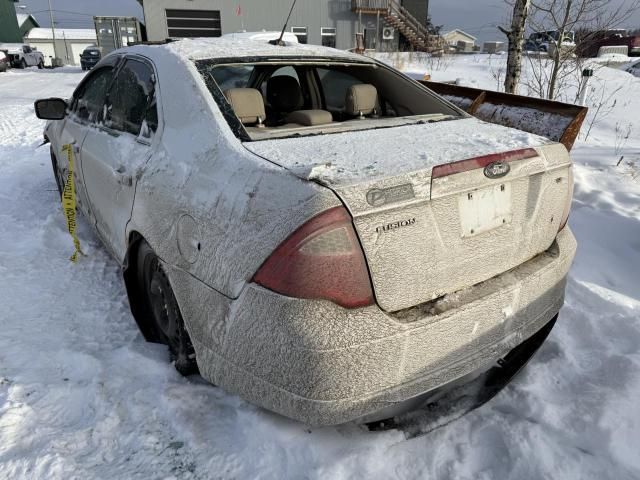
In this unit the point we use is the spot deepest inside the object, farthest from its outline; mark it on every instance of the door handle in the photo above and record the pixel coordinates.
(122, 177)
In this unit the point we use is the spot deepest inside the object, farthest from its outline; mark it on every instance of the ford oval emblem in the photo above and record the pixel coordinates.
(496, 170)
(376, 197)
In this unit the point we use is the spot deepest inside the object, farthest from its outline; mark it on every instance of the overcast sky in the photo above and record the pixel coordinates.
(477, 17)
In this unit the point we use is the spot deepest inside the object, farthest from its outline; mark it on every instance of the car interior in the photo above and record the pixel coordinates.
(274, 99)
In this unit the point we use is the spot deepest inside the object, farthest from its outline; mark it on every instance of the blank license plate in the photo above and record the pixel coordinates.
(485, 209)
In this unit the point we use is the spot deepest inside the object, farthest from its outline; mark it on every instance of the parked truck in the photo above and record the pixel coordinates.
(22, 56)
(117, 32)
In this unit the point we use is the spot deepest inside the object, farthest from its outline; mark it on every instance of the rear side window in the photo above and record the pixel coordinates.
(131, 100)
(89, 101)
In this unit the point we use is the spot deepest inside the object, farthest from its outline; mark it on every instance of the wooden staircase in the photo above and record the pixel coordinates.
(395, 15)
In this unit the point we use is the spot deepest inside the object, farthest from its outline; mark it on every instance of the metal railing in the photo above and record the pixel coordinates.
(394, 8)
(382, 5)
(412, 22)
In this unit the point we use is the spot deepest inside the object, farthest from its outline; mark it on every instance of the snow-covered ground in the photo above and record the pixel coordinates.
(83, 396)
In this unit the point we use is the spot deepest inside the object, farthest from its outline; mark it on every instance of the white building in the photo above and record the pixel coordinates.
(70, 42)
(455, 36)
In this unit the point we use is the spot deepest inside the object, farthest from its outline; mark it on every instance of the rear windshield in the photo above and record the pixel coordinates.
(278, 99)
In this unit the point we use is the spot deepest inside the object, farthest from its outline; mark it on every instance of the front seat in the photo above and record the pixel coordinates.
(284, 96)
(361, 100)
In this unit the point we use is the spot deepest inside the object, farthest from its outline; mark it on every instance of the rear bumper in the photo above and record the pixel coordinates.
(321, 364)
(89, 63)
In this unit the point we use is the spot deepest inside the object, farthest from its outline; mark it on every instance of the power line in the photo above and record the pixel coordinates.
(63, 11)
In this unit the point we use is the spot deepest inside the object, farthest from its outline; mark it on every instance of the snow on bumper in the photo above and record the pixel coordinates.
(321, 364)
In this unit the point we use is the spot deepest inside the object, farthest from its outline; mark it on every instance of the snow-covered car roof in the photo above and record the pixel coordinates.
(232, 48)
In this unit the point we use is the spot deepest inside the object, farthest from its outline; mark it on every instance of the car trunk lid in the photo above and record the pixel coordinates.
(429, 219)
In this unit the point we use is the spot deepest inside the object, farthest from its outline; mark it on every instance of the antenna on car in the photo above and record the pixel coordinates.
(279, 41)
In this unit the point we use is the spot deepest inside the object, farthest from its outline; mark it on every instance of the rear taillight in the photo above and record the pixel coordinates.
(321, 260)
(567, 207)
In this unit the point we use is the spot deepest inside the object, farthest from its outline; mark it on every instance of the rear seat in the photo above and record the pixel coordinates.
(248, 105)
(309, 118)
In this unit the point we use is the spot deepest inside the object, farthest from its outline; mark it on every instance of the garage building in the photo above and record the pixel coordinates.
(331, 23)
(70, 42)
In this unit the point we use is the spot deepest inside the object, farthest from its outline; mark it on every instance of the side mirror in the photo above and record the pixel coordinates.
(51, 108)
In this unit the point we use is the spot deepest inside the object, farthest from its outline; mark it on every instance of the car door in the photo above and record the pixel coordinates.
(114, 154)
(84, 113)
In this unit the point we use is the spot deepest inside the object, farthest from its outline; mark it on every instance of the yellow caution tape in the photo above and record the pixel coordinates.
(69, 203)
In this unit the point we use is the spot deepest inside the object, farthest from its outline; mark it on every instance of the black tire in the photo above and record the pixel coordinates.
(41, 64)
(56, 174)
(23, 63)
(161, 310)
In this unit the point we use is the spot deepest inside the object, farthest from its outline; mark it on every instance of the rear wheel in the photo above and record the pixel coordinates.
(41, 64)
(23, 63)
(161, 310)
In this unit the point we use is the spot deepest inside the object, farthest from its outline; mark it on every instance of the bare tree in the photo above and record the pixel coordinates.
(515, 36)
(561, 18)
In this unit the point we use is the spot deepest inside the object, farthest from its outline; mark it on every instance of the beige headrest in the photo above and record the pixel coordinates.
(361, 99)
(310, 117)
(247, 104)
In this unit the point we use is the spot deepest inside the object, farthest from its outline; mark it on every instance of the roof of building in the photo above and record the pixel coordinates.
(68, 33)
(225, 47)
(23, 17)
(457, 30)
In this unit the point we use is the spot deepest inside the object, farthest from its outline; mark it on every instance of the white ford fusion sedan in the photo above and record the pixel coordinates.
(311, 229)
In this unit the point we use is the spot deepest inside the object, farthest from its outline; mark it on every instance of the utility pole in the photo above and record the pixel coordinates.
(53, 34)
(426, 20)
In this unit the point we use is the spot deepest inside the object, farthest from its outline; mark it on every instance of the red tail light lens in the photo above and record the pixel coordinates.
(567, 207)
(321, 260)
(481, 162)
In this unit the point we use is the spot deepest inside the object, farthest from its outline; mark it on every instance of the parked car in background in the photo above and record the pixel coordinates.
(90, 57)
(533, 46)
(23, 56)
(262, 36)
(312, 229)
(4, 62)
(545, 41)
